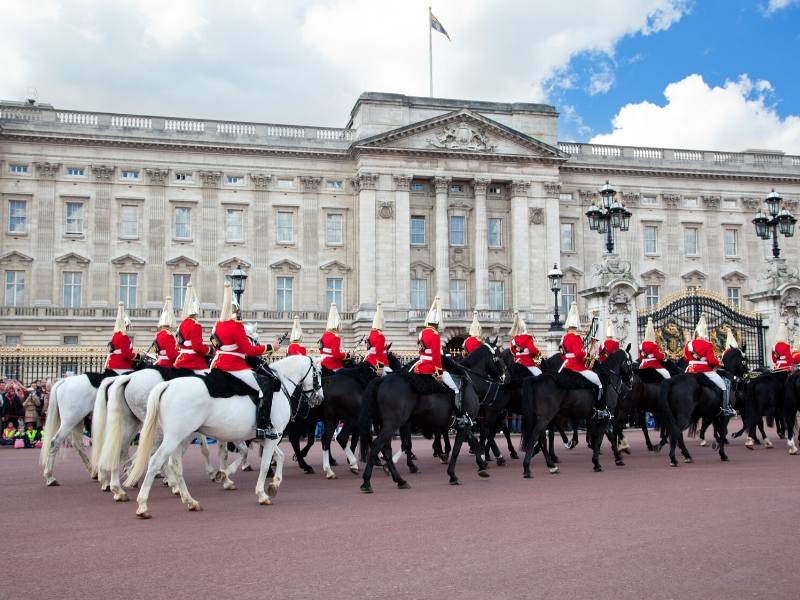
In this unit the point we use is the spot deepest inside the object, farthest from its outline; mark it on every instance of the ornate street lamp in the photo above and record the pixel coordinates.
(238, 279)
(607, 217)
(778, 220)
(555, 276)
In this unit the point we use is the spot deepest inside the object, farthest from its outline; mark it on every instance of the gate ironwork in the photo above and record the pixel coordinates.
(676, 317)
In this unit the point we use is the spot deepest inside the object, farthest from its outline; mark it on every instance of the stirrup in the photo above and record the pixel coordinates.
(728, 411)
(268, 433)
(462, 421)
(600, 414)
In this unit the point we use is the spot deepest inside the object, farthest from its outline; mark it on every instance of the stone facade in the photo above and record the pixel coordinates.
(474, 201)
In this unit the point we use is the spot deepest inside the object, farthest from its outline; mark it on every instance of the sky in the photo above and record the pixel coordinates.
(710, 74)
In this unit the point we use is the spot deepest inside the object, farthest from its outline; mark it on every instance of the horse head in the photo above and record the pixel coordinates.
(734, 360)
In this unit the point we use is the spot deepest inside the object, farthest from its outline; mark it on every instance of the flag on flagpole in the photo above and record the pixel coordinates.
(437, 25)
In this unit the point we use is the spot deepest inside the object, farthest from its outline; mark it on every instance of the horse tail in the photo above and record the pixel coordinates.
(51, 424)
(369, 408)
(99, 421)
(528, 414)
(147, 435)
(693, 427)
(109, 457)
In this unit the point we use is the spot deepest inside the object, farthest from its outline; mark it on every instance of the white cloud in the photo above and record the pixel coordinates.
(305, 61)
(601, 79)
(776, 5)
(734, 116)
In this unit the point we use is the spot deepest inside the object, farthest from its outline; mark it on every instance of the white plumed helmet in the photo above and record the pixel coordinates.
(475, 326)
(191, 303)
(650, 331)
(573, 318)
(518, 326)
(167, 318)
(297, 331)
(227, 312)
(377, 320)
(730, 340)
(701, 331)
(435, 313)
(334, 320)
(611, 332)
(121, 323)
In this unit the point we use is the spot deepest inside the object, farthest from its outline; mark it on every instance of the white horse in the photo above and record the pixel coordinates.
(71, 400)
(183, 406)
(118, 417)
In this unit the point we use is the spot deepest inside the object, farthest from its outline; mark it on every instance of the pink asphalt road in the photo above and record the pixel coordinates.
(707, 530)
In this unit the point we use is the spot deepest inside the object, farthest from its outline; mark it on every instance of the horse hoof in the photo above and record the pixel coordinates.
(229, 486)
(219, 476)
(688, 460)
(52, 483)
(247, 468)
(272, 490)
(265, 501)
(749, 443)
(500, 461)
(514, 456)
(554, 470)
(121, 497)
(768, 444)
(403, 485)
(105, 487)
(366, 488)
(598, 468)
(714, 446)
(793, 451)
(673, 463)
(657, 449)
(194, 506)
(724, 458)
(354, 470)
(455, 481)
(309, 471)
(330, 475)
(527, 475)
(144, 515)
(626, 450)
(483, 473)
(703, 443)
(411, 469)
(619, 462)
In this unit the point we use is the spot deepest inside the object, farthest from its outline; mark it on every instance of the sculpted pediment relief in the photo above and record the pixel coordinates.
(72, 258)
(285, 265)
(15, 257)
(128, 259)
(654, 276)
(734, 277)
(334, 266)
(182, 261)
(234, 262)
(694, 278)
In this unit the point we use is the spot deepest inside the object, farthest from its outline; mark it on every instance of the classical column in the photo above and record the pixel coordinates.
(310, 241)
(402, 255)
(155, 236)
(103, 288)
(552, 225)
(520, 244)
(442, 185)
(44, 233)
(365, 184)
(207, 222)
(481, 246)
(262, 234)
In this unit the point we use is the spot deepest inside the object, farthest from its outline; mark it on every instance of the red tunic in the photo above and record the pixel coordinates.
(121, 356)
(796, 357)
(331, 349)
(607, 348)
(430, 352)
(295, 348)
(471, 344)
(700, 356)
(167, 348)
(573, 352)
(650, 356)
(192, 352)
(781, 356)
(524, 349)
(377, 348)
(234, 346)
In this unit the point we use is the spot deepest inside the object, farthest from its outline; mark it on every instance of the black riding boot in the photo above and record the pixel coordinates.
(461, 419)
(264, 428)
(727, 410)
(600, 409)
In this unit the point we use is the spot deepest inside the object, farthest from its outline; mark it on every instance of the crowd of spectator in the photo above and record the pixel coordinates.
(23, 410)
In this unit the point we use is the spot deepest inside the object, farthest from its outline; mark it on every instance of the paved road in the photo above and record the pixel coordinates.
(707, 531)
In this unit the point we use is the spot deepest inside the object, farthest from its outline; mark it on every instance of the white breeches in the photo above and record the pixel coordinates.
(201, 371)
(249, 378)
(716, 379)
(664, 373)
(448, 381)
(592, 376)
(122, 371)
(386, 371)
(535, 371)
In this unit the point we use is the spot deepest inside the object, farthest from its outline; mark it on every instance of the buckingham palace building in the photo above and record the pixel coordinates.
(415, 197)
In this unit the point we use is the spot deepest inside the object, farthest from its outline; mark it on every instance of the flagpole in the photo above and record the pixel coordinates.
(430, 51)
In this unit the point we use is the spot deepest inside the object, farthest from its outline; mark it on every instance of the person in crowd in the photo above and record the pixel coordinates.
(523, 346)
(699, 354)
(31, 406)
(574, 355)
(650, 354)
(9, 434)
(30, 435)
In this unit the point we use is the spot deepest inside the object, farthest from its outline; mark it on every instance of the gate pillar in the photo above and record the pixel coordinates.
(778, 299)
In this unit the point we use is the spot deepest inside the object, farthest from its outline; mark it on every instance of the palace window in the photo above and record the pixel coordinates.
(129, 174)
(456, 188)
(731, 243)
(15, 288)
(497, 295)
(691, 241)
(419, 294)
(72, 289)
(650, 239)
(334, 185)
(567, 237)
(729, 203)
(565, 197)
(129, 221)
(457, 237)
(234, 225)
(458, 294)
(495, 233)
(333, 292)
(283, 293)
(649, 200)
(12, 340)
(734, 295)
(184, 177)
(417, 231)
(183, 223)
(179, 283)
(652, 295)
(70, 340)
(17, 216)
(334, 229)
(285, 184)
(569, 292)
(285, 233)
(417, 186)
(76, 172)
(690, 203)
(18, 169)
(496, 190)
(127, 289)
(74, 218)
(234, 179)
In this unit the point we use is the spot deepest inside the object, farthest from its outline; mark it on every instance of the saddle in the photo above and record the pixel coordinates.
(570, 380)
(782, 376)
(424, 384)
(363, 373)
(96, 378)
(170, 373)
(649, 376)
(518, 374)
(221, 384)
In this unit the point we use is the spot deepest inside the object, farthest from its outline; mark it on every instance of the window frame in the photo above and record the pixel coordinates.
(645, 228)
(281, 241)
(649, 296)
(423, 220)
(80, 172)
(571, 226)
(81, 205)
(130, 174)
(179, 291)
(228, 210)
(24, 229)
(18, 286)
(25, 169)
(122, 234)
(417, 187)
(499, 221)
(334, 185)
(735, 232)
(331, 292)
(564, 295)
(493, 294)
(450, 230)
(418, 303)
(72, 286)
(736, 299)
(330, 218)
(176, 210)
(135, 287)
(458, 305)
(686, 230)
(281, 292)
(234, 180)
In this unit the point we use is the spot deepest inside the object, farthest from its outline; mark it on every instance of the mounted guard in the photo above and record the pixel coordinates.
(377, 355)
(192, 352)
(699, 353)
(330, 344)
(165, 344)
(474, 341)
(523, 346)
(574, 355)
(650, 355)
(609, 345)
(295, 337)
(796, 351)
(233, 347)
(120, 348)
(781, 351)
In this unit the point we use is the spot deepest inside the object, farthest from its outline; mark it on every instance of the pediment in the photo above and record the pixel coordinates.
(461, 132)
(286, 264)
(128, 259)
(498, 269)
(182, 261)
(334, 265)
(420, 269)
(71, 257)
(734, 276)
(15, 257)
(654, 275)
(234, 262)
(572, 274)
(694, 276)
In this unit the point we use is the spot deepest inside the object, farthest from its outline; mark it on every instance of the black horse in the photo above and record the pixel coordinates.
(544, 400)
(791, 404)
(764, 399)
(393, 401)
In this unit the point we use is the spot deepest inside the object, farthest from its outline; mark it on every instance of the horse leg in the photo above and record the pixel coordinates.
(546, 443)
(406, 448)
(704, 423)
(156, 463)
(377, 446)
(721, 431)
(349, 450)
(595, 431)
(437, 444)
(551, 446)
(266, 462)
(767, 442)
(206, 455)
(327, 436)
(447, 447)
(52, 452)
(294, 440)
(479, 458)
(386, 450)
(451, 466)
(130, 430)
(507, 433)
(535, 437)
(645, 431)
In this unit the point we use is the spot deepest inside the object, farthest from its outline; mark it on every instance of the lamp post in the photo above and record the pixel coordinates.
(608, 216)
(555, 275)
(776, 220)
(237, 278)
